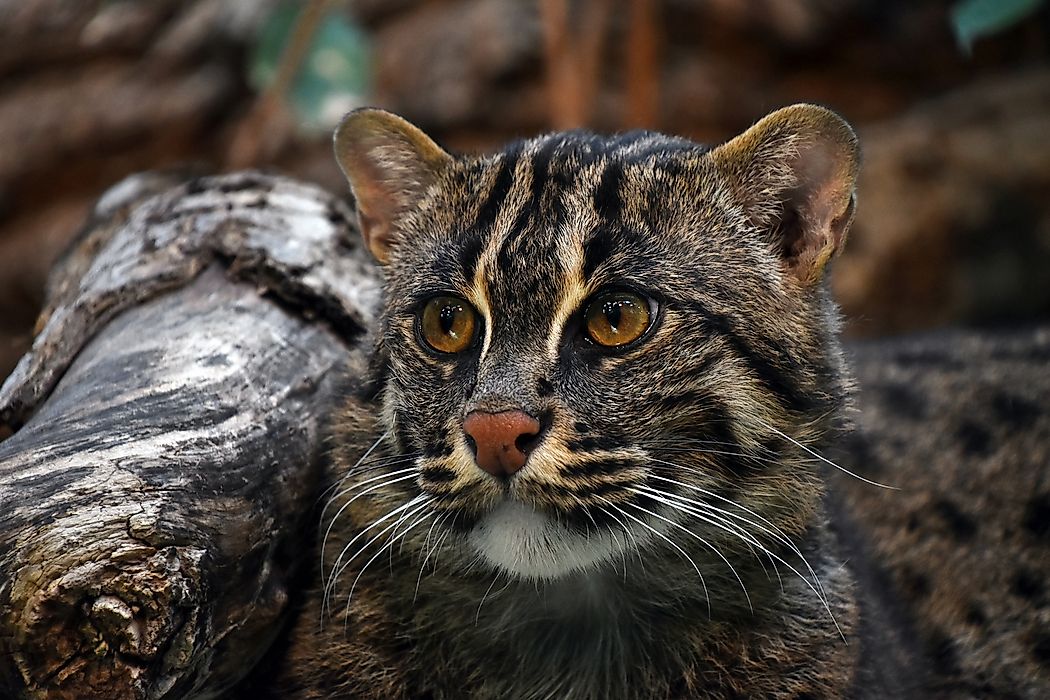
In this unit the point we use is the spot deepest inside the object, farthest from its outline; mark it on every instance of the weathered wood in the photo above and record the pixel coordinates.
(167, 426)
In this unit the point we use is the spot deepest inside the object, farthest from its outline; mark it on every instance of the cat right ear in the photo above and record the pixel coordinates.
(795, 172)
(390, 165)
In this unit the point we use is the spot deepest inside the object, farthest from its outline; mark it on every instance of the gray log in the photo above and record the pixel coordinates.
(164, 436)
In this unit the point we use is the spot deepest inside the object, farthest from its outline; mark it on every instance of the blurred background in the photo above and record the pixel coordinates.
(951, 99)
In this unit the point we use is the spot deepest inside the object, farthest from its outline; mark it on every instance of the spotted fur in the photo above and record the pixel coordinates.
(957, 561)
(666, 537)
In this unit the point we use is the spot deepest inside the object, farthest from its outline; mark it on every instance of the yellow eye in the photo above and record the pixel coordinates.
(447, 324)
(616, 318)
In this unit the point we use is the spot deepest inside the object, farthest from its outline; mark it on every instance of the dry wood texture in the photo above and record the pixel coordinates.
(164, 435)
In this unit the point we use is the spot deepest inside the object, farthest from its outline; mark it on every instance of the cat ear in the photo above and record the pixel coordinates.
(390, 164)
(795, 172)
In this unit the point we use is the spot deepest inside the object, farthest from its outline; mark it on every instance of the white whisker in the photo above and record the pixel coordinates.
(772, 530)
(703, 542)
(337, 569)
(429, 551)
(707, 595)
(477, 615)
(382, 484)
(824, 459)
(389, 543)
(357, 464)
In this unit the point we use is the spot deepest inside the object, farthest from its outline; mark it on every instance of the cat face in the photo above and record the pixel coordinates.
(591, 345)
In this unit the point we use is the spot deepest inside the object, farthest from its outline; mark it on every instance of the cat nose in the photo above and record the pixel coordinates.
(502, 441)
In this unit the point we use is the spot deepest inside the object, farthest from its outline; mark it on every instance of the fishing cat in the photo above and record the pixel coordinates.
(588, 458)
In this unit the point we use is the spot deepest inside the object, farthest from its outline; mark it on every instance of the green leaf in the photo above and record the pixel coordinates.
(335, 74)
(973, 19)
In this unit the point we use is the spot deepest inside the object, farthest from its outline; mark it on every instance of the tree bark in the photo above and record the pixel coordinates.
(164, 435)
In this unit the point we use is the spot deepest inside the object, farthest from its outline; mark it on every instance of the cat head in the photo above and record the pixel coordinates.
(587, 341)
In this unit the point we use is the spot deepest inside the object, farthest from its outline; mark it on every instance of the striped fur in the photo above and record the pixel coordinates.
(665, 537)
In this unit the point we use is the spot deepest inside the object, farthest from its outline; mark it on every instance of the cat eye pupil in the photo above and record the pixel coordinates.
(447, 324)
(448, 318)
(612, 313)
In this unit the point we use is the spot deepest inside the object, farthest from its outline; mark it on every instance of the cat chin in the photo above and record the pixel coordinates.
(525, 543)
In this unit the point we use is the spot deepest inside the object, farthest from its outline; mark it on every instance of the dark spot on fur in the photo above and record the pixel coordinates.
(544, 387)
(928, 357)
(581, 427)
(975, 615)
(974, 439)
(1037, 516)
(335, 217)
(1015, 411)
(245, 182)
(915, 585)
(904, 401)
(962, 525)
(1027, 585)
(943, 654)
(586, 444)
(1038, 354)
(598, 467)
(440, 475)
(1041, 648)
(861, 454)
(914, 521)
(437, 449)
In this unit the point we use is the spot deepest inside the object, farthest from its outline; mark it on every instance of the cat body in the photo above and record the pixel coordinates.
(587, 459)
(954, 565)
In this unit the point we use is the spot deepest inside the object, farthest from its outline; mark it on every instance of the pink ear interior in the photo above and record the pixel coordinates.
(390, 165)
(795, 172)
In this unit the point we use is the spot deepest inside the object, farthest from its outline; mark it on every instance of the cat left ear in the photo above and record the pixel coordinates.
(390, 165)
(795, 173)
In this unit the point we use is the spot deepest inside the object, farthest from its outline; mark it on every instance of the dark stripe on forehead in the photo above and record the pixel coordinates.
(608, 203)
(538, 156)
(596, 249)
(523, 232)
(541, 164)
(470, 254)
(473, 244)
(500, 189)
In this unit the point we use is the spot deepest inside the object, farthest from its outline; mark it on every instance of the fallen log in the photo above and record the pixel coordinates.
(163, 435)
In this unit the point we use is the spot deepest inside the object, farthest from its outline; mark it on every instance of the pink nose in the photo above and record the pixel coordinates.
(502, 440)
